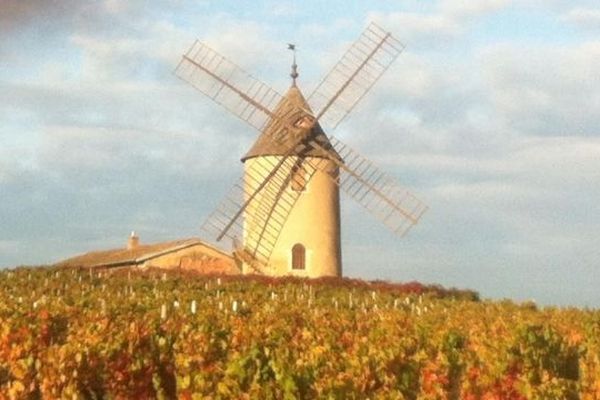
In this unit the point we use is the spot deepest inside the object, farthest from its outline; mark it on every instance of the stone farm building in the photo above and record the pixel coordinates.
(188, 254)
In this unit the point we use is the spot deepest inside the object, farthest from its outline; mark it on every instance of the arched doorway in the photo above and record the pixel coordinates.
(298, 256)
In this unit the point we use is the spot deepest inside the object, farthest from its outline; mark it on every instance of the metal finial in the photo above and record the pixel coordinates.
(294, 73)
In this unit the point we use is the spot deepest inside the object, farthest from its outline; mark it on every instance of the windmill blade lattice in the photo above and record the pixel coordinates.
(270, 212)
(229, 85)
(352, 77)
(266, 185)
(379, 193)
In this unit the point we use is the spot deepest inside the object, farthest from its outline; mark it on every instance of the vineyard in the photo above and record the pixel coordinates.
(81, 334)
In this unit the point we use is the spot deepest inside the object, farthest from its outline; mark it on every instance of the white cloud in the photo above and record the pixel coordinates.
(78, 150)
(462, 9)
(410, 77)
(546, 90)
(588, 18)
(448, 20)
(247, 43)
(283, 8)
(415, 27)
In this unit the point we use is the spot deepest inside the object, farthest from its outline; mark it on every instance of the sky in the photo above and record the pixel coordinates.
(490, 115)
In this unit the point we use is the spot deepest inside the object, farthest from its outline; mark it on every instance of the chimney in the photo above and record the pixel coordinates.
(133, 242)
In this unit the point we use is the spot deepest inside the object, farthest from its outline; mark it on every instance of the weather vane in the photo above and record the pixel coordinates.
(294, 73)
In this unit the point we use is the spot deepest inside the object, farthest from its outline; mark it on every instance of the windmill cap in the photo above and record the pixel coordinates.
(266, 146)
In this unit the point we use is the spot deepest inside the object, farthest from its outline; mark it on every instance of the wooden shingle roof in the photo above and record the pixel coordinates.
(266, 146)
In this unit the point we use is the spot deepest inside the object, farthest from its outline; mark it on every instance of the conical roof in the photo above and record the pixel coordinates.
(265, 145)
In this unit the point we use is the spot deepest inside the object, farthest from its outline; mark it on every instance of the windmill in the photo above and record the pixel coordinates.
(283, 215)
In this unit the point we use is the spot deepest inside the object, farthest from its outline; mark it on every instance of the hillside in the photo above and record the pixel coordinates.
(129, 334)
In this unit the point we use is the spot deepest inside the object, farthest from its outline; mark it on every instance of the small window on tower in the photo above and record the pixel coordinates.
(298, 256)
(298, 178)
(305, 122)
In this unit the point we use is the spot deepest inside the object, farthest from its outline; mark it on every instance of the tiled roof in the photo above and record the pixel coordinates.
(123, 256)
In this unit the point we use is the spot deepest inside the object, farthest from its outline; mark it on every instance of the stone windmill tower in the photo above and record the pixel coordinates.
(286, 207)
(309, 241)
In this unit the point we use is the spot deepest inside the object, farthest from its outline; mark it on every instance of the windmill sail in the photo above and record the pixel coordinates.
(260, 200)
(352, 77)
(272, 208)
(379, 193)
(228, 85)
